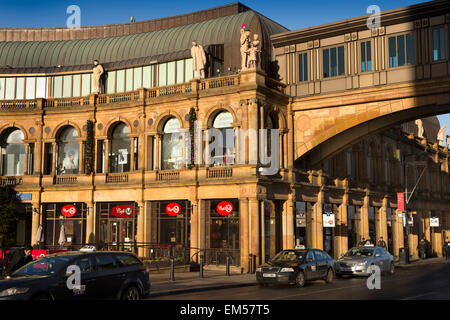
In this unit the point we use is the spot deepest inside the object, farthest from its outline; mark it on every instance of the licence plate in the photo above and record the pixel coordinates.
(269, 275)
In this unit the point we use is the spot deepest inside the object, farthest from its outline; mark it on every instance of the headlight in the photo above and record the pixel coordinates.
(287, 270)
(13, 291)
(258, 269)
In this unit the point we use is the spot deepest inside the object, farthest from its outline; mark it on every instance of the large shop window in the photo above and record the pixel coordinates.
(333, 62)
(171, 221)
(13, 153)
(120, 150)
(117, 225)
(222, 224)
(222, 151)
(172, 145)
(401, 50)
(70, 215)
(68, 151)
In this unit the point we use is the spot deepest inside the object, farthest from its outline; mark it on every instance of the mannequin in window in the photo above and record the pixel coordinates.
(69, 162)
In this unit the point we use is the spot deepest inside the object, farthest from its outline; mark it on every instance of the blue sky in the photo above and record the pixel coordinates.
(293, 14)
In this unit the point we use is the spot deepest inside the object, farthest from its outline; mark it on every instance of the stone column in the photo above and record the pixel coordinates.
(253, 127)
(80, 157)
(106, 156)
(206, 154)
(288, 224)
(341, 232)
(90, 222)
(244, 232)
(316, 225)
(397, 234)
(27, 154)
(254, 228)
(364, 222)
(281, 151)
(54, 157)
(132, 154)
(286, 151)
(141, 229)
(381, 221)
(35, 221)
(157, 156)
(148, 153)
(290, 145)
(194, 228)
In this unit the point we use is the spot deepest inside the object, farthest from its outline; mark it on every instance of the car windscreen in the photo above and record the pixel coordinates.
(289, 255)
(359, 252)
(44, 266)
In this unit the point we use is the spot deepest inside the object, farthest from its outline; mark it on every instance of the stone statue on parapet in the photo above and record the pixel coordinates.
(199, 57)
(419, 124)
(244, 47)
(97, 72)
(440, 136)
(254, 53)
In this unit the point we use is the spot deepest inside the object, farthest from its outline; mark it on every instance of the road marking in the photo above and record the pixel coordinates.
(420, 295)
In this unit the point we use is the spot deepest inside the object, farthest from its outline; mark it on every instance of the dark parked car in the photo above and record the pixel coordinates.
(104, 275)
(296, 267)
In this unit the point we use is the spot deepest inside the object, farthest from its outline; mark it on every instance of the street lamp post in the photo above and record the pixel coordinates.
(408, 198)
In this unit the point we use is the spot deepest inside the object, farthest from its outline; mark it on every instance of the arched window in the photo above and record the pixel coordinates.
(120, 150)
(223, 122)
(68, 151)
(13, 153)
(172, 145)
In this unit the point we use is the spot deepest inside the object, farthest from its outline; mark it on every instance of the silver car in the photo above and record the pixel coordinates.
(357, 260)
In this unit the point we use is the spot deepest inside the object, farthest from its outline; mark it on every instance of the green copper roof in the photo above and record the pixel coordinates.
(81, 52)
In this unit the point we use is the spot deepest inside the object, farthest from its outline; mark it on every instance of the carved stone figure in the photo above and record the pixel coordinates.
(253, 52)
(97, 72)
(198, 54)
(440, 135)
(419, 124)
(244, 42)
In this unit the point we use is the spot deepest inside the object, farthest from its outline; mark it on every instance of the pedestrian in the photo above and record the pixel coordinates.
(363, 242)
(422, 247)
(446, 249)
(381, 243)
(19, 258)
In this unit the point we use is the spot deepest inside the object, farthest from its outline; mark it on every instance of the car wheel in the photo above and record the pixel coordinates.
(131, 293)
(330, 276)
(300, 279)
(391, 269)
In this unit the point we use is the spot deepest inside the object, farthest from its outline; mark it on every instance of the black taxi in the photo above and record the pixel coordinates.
(296, 266)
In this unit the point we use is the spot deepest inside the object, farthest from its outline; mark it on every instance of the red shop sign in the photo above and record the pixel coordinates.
(224, 208)
(69, 210)
(173, 208)
(123, 211)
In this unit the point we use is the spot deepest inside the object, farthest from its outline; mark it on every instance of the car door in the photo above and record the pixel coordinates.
(379, 259)
(322, 264)
(87, 284)
(310, 266)
(108, 276)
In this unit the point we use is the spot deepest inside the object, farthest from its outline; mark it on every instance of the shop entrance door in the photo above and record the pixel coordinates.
(118, 234)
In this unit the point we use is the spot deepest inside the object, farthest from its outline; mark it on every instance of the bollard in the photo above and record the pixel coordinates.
(201, 266)
(250, 261)
(172, 269)
(228, 266)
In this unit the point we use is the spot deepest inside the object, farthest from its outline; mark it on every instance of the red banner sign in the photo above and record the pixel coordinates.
(400, 201)
(69, 210)
(224, 208)
(38, 253)
(173, 208)
(123, 211)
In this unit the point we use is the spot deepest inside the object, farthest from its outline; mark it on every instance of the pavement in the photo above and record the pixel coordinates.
(187, 282)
